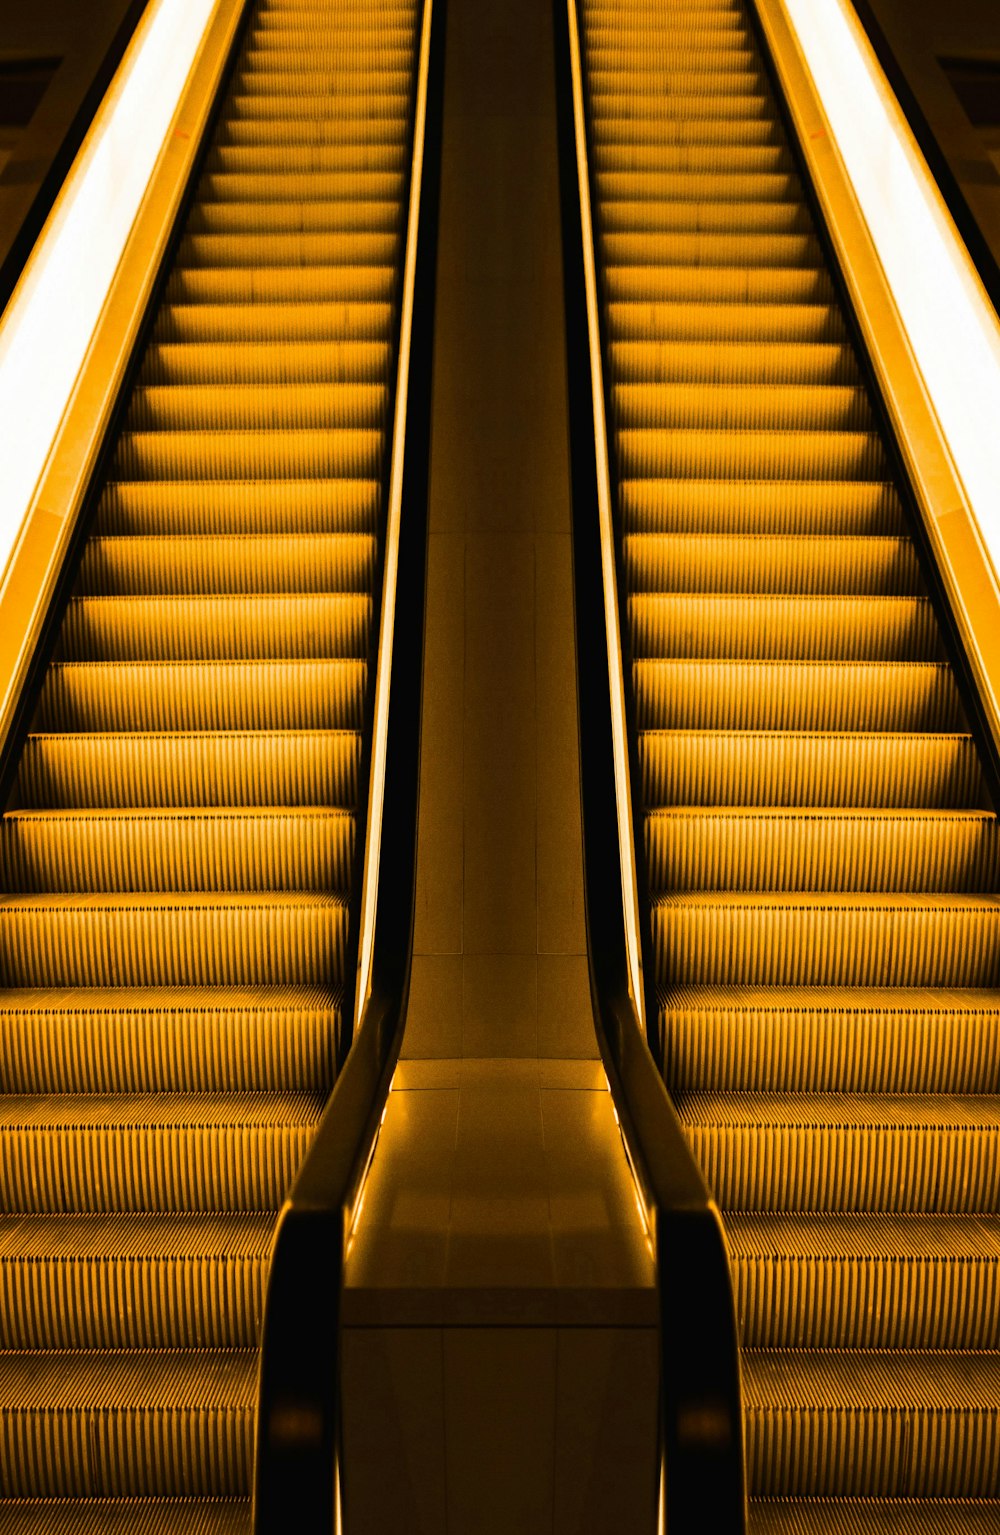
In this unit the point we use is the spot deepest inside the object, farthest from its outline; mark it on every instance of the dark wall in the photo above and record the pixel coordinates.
(919, 34)
(80, 33)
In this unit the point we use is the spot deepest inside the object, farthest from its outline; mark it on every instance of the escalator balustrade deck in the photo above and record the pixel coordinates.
(177, 856)
(821, 851)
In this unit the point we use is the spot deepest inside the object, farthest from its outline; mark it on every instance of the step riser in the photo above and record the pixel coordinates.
(263, 407)
(748, 946)
(644, 363)
(867, 1304)
(872, 1453)
(879, 568)
(807, 853)
(194, 946)
(126, 567)
(80, 772)
(209, 696)
(806, 1052)
(133, 509)
(167, 367)
(236, 323)
(844, 509)
(252, 220)
(939, 773)
(757, 696)
(226, 629)
(234, 1168)
(129, 1453)
(777, 455)
(223, 455)
(890, 1171)
(719, 297)
(147, 853)
(783, 629)
(689, 218)
(161, 1051)
(132, 1303)
(243, 289)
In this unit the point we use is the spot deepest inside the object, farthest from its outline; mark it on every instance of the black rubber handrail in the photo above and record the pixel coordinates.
(703, 1478)
(296, 1479)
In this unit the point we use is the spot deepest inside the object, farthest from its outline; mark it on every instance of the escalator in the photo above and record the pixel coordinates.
(180, 852)
(819, 840)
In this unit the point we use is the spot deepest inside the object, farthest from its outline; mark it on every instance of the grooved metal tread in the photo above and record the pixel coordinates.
(819, 842)
(874, 1517)
(95, 1516)
(178, 856)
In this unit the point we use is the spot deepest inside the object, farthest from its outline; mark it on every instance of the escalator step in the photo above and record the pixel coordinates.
(262, 562)
(128, 1425)
(745, 454)
(216, 628)
(175, 939)
(901, 1153)
(181, 1039)
(797, 695)
(859, 1425)
(616, 125)
(267, 366)
(697, 248)
(184, 508)
(260, 767)
(764, 563)
(229, 455)
(374, 158)
(742, 767)
(159, 1152)
(643, 218)
(230, 320)
(696, 159)
(814, 1039)
(869, 1517)
(832, 508)
(301, 289)
(143, 850)
(730, 848)
(259, 407)
(108, 1516)
(671, 624)
(133, 1281)
(867, 1281)
(677, 365)
(676, 406)
(793, 304)
(273, 220)
(205, 695)
(760, 938)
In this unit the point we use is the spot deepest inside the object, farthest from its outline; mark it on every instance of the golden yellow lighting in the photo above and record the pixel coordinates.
(951, 326)
(626, 843)
(47, 327)
(376, 792)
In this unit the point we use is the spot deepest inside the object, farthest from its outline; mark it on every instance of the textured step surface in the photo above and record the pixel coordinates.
(819, 843)
(177, 859)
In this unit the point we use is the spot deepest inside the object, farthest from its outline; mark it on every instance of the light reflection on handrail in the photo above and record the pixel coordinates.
(629, 885)
(380, 722)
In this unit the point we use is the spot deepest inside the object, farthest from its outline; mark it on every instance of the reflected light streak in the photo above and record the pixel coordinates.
(47, 327)
(952, 327)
